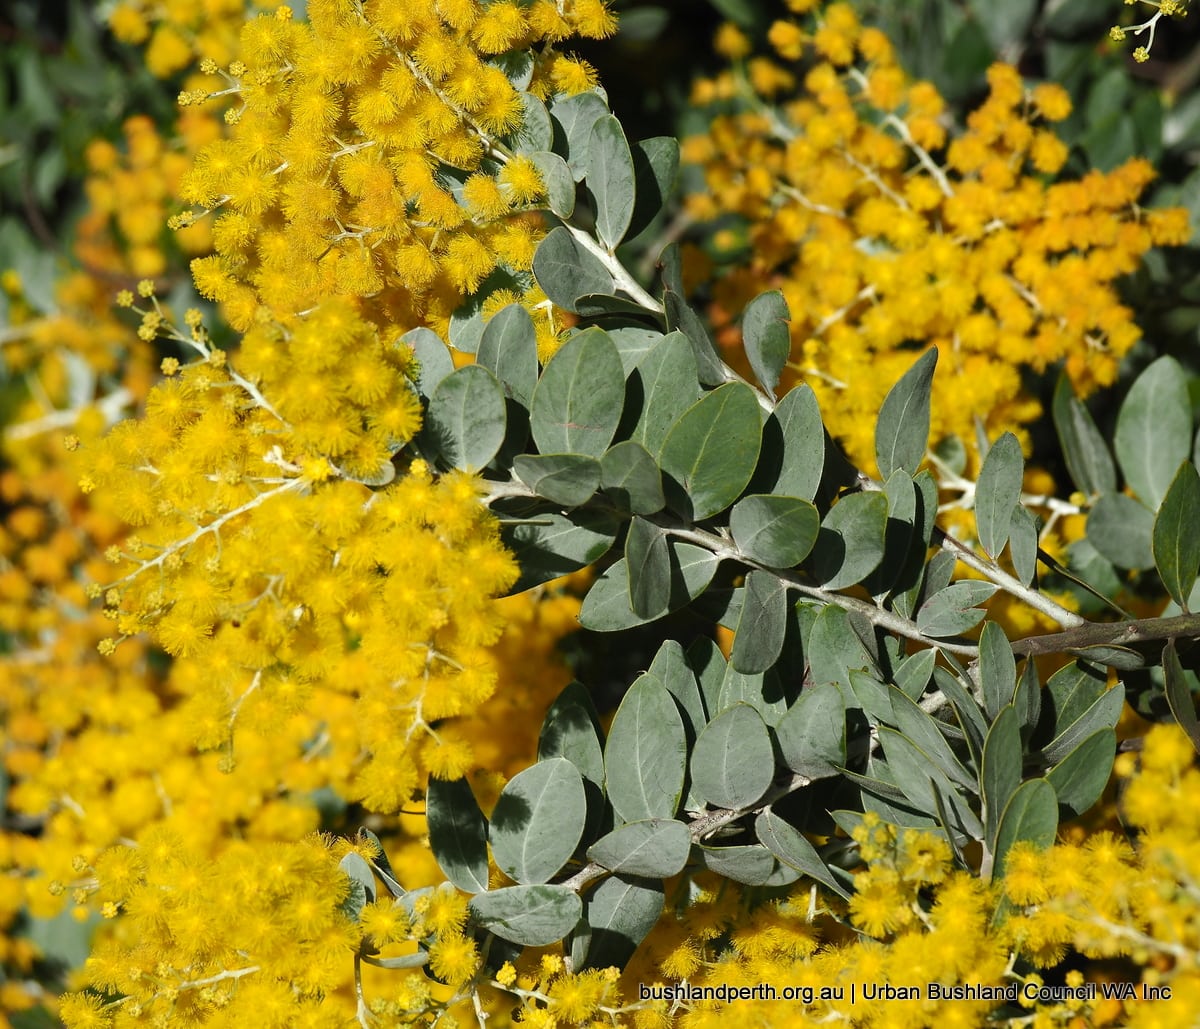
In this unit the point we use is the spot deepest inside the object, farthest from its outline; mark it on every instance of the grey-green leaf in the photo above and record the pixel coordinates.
(902, 431)
(433, 358)
(1001, 772)
(1154, 430)
(997, 669)
(1122, 530)
(733, 763)
(1031, 814)
(508, 348)
(766, 338)
(550, 544)
(850, 542)
(812, 735)
(576, 115)
(1176, 541)
(558, 180)
(656, 167)
(762, 626)
(466, 419)
(611, 180)
(362, 884)
(793, 454)
(538, 820)
(711, 450)
(571, 729)
(619, 913)
(666, 379)
(532, 916)
(774, 530)
(997, 492)
(1023, 544)
(752, 865)
(954, 610)
(577, 402)
(457, 833)
(648, 562)
(1180, 698)
(565, 479)
(567, 271)
(1083, 447)
(789, 846)
(653, 846)
(629, 475)
(645, 759)
(1080, 777)
(606, 606)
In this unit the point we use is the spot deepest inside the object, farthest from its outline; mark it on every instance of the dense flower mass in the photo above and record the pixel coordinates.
(368, 159)
(887, 233)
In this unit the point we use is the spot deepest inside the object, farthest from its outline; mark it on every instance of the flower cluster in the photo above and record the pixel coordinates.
(368, 156)
(886, 233)
(1165, 9)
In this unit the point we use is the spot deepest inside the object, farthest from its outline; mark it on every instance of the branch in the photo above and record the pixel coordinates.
(1111, 634)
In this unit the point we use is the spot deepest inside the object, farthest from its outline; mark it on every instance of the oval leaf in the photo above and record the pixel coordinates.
(467, 419)
(630, 476)
(531, 916)
(656, 847)
(577, 402)
(648, 561)
(567, 271)
(954, 610)
(610, 178)
(1080, 777)
(1083, 448)
(1154, 431)
(711, 450)
(1122, 530)
(850, 542)
(1031, 814)
(998, 492)
(538, 820)
(564, 479)
(793, 451)
(1176, 543)
(733, 763)
(668, 382)
(1001, 774)
(789, 846)
(762, 626)
(619, 913)
(457, 833)
(606, 606)
(508, 348)
(773, 530)
(766, 338)
(812, 735)
(645, 759)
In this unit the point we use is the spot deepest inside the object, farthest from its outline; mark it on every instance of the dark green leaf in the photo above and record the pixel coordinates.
(1176, 541)
(630, 477)
(667, 380)
(953, 610)
(774, 530)
(789, 846)
(762, 627)
(466, 418)
(565, 479)
(812, 735)
(1122, 530)
(538, 820)
(560, 184)
(998, 492)
(712, 448)
(533, 916)
(508, 348)
(645, 760)
(1083, 448)
(611, 180)
(457, 833)
(1154, 431)
(578, 400)
(620, 912)
(566, 271)
(1080, 777)
(766, 338)
(1001, 772)
(1031, 814)
(648, 561)
(733, 763)
(902, 431)
(1179, 694)
(552, 544)
(850, 542)
(654, 846)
